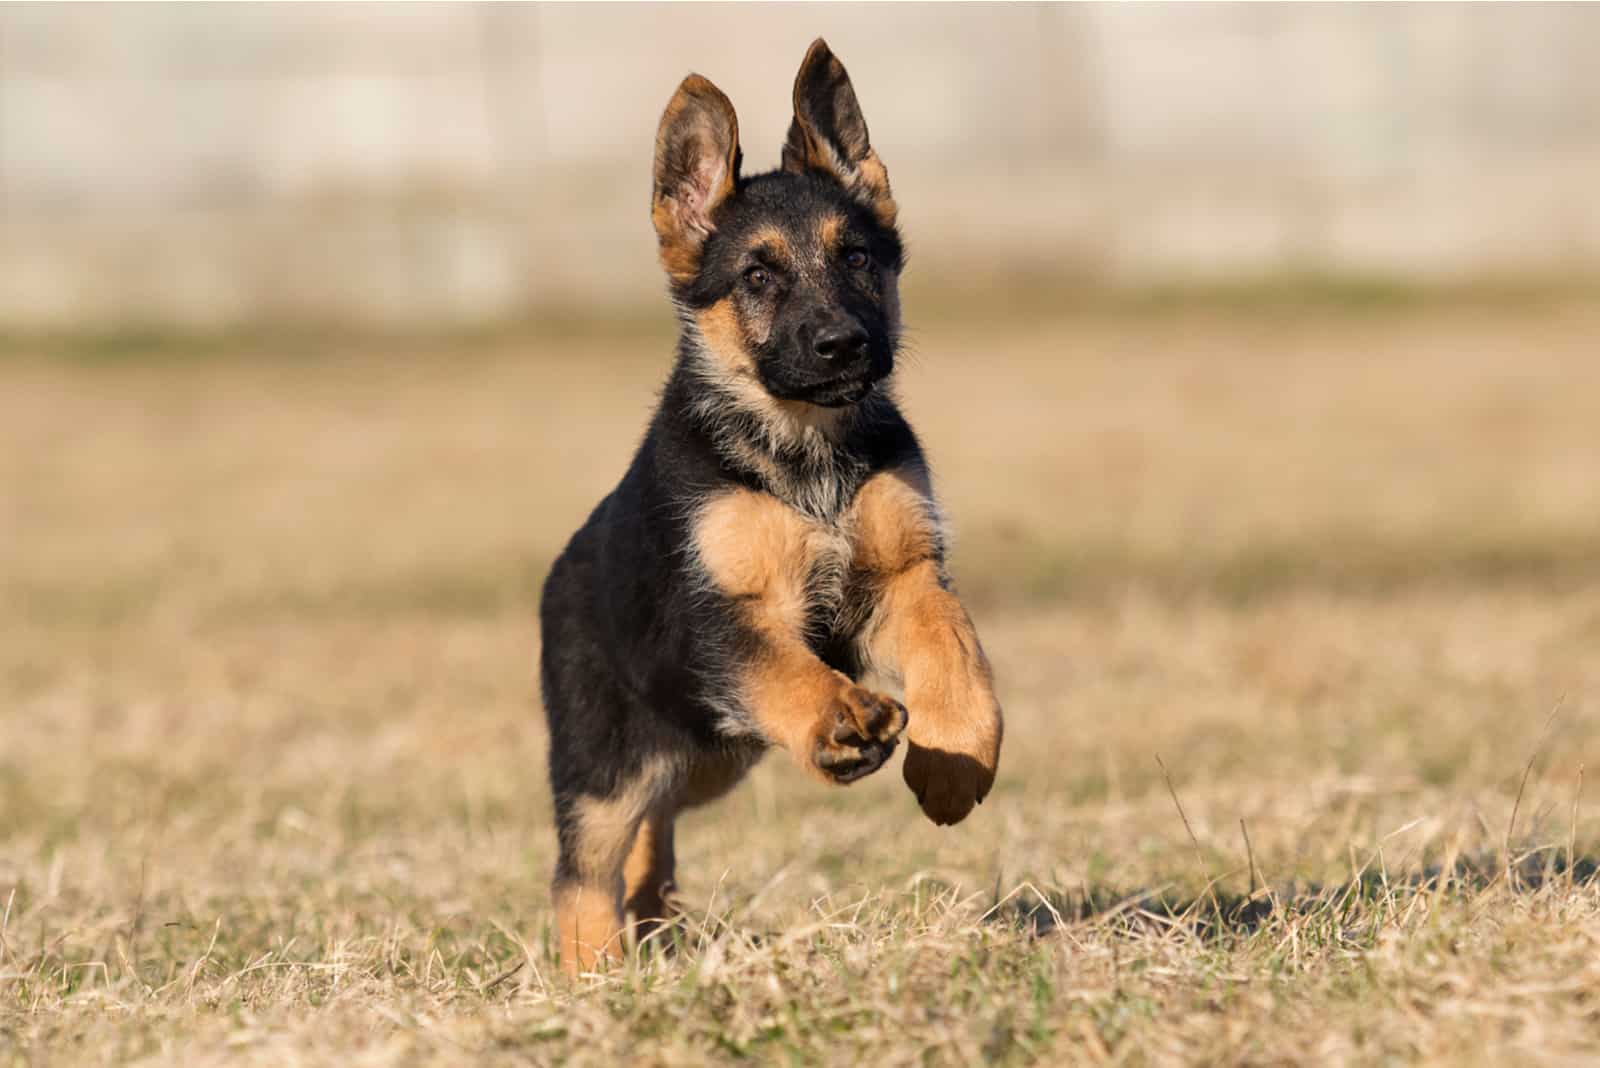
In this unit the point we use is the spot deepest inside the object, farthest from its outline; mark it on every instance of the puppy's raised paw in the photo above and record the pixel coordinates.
(947, 785)
(856, 734)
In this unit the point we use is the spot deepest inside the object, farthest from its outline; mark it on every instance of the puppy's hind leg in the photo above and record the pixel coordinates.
(648, 872)
(649, 875)
(596, 835)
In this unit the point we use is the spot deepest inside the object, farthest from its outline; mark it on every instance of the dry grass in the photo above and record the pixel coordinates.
(271, 784)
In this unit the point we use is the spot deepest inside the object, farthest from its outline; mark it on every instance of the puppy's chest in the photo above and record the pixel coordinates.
(819, 574)
(836, 587)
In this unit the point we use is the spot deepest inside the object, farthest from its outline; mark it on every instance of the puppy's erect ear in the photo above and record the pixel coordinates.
(829, 134)
(697, 166)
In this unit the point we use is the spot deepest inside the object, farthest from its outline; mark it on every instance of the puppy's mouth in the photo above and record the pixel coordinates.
(841, 392)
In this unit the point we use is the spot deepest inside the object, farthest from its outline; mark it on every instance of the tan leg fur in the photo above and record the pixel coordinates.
(920, 631)
(761, 553)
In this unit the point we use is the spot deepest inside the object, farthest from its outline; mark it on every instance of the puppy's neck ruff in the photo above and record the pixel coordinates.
(801, 453)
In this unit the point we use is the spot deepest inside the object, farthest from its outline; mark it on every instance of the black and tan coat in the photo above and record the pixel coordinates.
(775, 539)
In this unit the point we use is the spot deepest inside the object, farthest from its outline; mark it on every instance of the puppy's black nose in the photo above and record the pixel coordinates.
(843, 340)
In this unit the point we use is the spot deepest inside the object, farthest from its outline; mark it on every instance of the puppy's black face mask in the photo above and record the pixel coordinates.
(804, 281)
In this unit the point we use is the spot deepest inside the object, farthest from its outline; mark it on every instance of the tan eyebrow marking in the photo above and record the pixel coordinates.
(829, 231)
(772, 240)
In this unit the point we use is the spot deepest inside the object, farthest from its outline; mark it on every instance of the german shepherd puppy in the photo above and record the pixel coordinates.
(775, 537)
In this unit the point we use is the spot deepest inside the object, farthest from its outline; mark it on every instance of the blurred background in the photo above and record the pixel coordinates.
(425, 165)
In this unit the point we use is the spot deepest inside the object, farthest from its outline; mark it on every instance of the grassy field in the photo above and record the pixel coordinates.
(1296, 617)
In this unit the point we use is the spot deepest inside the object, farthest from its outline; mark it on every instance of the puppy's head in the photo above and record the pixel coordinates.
(790, 278)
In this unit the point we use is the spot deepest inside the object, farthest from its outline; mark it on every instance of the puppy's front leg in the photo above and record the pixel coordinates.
(760, 554)
(956, 724)
(920, 631)
(838, 731)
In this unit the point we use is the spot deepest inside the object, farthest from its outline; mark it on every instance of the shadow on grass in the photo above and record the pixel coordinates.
(1218, 914)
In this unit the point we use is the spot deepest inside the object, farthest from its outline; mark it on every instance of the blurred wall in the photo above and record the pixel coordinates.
(207, 165)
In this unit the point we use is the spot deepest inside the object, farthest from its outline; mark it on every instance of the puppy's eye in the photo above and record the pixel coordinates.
(857, 259)
(757, 278)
